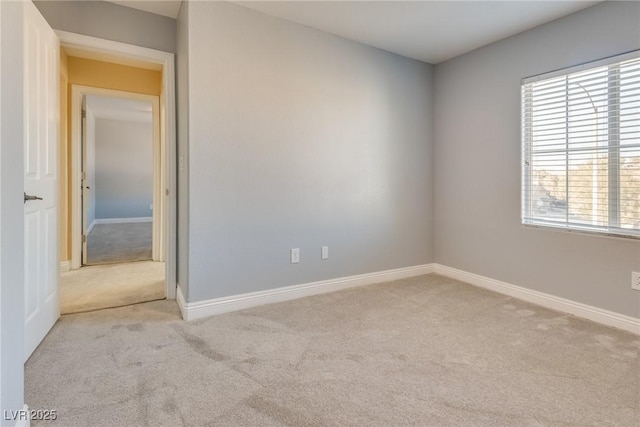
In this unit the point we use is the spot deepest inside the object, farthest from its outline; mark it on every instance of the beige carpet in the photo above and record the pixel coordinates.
(427, 351)
(111, 243)
(112, 285)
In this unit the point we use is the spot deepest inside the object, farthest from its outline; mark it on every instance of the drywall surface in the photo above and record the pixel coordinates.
(477, 164)
(300, 139)
(11, 210)
(90, 168)
(123, 169)
(182, 99)
(88, 72)
(112, 22)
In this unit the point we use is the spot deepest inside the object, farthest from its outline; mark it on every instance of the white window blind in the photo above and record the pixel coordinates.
(581, 147)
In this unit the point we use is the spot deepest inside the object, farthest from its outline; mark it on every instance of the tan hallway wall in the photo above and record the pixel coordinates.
(88, 72)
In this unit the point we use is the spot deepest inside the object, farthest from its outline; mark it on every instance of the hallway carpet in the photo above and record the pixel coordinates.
(427, 351)
(112, 285)
(125, 242)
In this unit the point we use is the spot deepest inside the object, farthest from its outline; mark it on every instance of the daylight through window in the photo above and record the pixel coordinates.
(581, 147)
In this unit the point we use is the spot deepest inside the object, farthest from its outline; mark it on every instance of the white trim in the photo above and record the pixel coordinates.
(93, 224)
(1, 197)
(77, 94)
(182, 304)
(65, 266)
(199, 309)
(565, 229)
(157, 251)
(605, 317)
(168, 210)
(118, 221)
(205, 308)
(116, 50)
(584, 66)
(121, 220)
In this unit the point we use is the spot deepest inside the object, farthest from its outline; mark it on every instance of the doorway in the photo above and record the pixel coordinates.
(121, 179)
(116, 159)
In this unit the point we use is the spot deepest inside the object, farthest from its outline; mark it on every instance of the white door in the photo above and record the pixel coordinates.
(84, 182)
(41, 98)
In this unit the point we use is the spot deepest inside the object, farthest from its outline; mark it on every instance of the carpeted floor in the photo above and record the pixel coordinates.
(112, 285)
(126, 242)
(426, 351)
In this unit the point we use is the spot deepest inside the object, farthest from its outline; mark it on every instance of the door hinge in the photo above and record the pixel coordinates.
(84, 238)
(166, 192)
(84, 114)
(84, 176)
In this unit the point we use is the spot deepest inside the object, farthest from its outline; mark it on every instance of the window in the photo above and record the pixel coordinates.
(581, 148)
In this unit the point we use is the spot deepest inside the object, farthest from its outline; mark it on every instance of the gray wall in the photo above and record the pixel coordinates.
(11, 211)
(298, 138)
(477, 164)
(182, 95)
(123, 169)
(112, 22)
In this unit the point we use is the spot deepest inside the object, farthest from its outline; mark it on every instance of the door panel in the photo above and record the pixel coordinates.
(83, 180)
(41, 50)
(31, 276)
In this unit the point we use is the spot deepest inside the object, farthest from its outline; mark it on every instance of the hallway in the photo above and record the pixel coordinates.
(124, 242)
(111, 285)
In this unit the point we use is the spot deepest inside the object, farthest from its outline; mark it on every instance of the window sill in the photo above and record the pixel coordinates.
(587, 232)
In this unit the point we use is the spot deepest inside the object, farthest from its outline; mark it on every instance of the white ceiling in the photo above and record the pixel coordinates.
(431, 31)
(105, 107)
(169, 8)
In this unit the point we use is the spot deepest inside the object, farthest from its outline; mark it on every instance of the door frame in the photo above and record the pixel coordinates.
(128, 54)
(78, 93)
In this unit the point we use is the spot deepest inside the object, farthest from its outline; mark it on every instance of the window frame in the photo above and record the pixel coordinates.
(526, 217)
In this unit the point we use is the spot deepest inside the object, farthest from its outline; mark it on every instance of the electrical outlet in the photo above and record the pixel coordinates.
(635, 280)
(325, 252)
(295, 255)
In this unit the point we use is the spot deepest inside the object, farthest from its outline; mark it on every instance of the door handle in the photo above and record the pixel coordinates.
(28, 197)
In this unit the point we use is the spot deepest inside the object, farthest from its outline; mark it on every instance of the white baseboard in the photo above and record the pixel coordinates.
(117, 221)
(199, 309)
(120, 220)
(182, 304)
(605, 317)
(65, 266)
